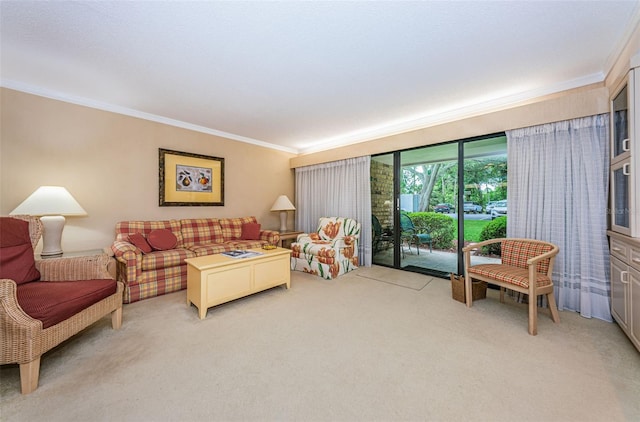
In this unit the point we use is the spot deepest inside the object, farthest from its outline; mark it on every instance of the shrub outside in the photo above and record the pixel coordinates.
(495, 229)
(440, 226)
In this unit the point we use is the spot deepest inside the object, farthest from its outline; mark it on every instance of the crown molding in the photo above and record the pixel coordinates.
(42, 92)
(478, 108)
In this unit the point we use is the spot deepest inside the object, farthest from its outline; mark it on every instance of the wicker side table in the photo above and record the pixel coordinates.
(93, 261)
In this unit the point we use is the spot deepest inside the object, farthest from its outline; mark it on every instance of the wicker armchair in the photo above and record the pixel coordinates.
(24, 340)
(526, 267)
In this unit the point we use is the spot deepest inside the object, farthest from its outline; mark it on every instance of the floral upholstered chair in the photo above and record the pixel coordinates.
(330, 251)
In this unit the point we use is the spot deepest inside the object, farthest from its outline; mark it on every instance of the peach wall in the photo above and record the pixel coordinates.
(109, 162)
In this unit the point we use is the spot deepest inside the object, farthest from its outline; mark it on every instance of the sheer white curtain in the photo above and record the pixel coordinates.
(336, 189)
(558, 188)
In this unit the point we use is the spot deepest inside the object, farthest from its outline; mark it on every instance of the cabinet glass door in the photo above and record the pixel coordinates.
(620, 195)
(620, 127)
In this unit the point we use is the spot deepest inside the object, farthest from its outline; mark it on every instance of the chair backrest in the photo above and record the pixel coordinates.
(377, 227)
(330, 228)
(17, 261)
(406, 225)
(35, 227)
(516, 252)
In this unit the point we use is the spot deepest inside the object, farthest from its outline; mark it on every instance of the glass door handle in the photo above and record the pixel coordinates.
(625, 144)
(625, 169)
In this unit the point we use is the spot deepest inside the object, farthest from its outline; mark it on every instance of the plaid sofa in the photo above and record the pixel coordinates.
(161, 272)
(330, 251)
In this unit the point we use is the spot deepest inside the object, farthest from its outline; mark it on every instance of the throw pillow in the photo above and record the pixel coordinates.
(16, 253)
(162, 239)
(140, 242)
(250, 231)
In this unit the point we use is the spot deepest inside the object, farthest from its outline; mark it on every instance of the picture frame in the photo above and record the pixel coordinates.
(188, 179)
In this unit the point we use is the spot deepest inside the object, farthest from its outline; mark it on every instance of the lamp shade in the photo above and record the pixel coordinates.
(51, 204)
(283, 204)
(50, 200)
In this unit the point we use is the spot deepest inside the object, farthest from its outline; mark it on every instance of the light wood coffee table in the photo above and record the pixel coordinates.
(216, 279)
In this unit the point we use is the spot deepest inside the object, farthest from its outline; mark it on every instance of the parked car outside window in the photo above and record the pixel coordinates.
(499, 209)
(472, 207)
(490, 206)
(444, 208)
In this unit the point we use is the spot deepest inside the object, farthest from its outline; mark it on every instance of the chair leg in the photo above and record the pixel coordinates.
(502, 289)
(116, 318)
(29, 373)
(533, 316)
(551, 300)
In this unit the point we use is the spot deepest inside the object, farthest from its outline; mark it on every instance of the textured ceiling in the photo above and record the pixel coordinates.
(306, 76)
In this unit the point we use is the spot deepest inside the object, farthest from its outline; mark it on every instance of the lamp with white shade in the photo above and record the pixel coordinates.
(51, 204)
(283, 204)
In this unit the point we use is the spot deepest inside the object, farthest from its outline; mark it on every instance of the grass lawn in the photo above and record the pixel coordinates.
(472, 229)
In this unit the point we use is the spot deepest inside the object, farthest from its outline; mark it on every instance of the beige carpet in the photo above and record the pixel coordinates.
(405, 279)
(352, 349)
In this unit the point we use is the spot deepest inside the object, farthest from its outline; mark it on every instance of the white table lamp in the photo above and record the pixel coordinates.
(51, 204)
(283, 204)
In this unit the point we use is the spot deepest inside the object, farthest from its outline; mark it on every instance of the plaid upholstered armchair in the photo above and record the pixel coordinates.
(45, 302)
(526, 267)
(330, 251)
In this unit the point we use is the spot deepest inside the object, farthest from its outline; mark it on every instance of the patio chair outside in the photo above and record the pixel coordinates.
(412, 234)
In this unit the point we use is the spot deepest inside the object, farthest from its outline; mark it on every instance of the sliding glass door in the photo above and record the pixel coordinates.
(484, 196)
(428, 202)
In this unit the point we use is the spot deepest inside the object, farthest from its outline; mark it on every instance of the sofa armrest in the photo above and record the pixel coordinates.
(120, 247)
(129, 260)
(303, 238)
(339, 248)
(76, 268)
(18, 322)
(18, 328)
(270, 236)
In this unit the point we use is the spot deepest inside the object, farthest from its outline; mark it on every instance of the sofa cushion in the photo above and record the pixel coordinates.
(55, 301)
(125, 228)
(232, 227)
(163, 259)
(250, 231)
(16, 252)
(211, 248)
(140, 242)
(509, 274)
(199, 231)
(162, 239)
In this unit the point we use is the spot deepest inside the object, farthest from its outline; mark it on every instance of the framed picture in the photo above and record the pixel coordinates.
(188, 179)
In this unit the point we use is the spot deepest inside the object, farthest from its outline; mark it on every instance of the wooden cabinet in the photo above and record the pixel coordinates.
(625, 284)
(619, 293)
(625, 156)
(634, 303)
(625, 205)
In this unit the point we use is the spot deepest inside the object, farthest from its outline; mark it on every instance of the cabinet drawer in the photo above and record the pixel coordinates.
(620, 250)
(634, 260)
